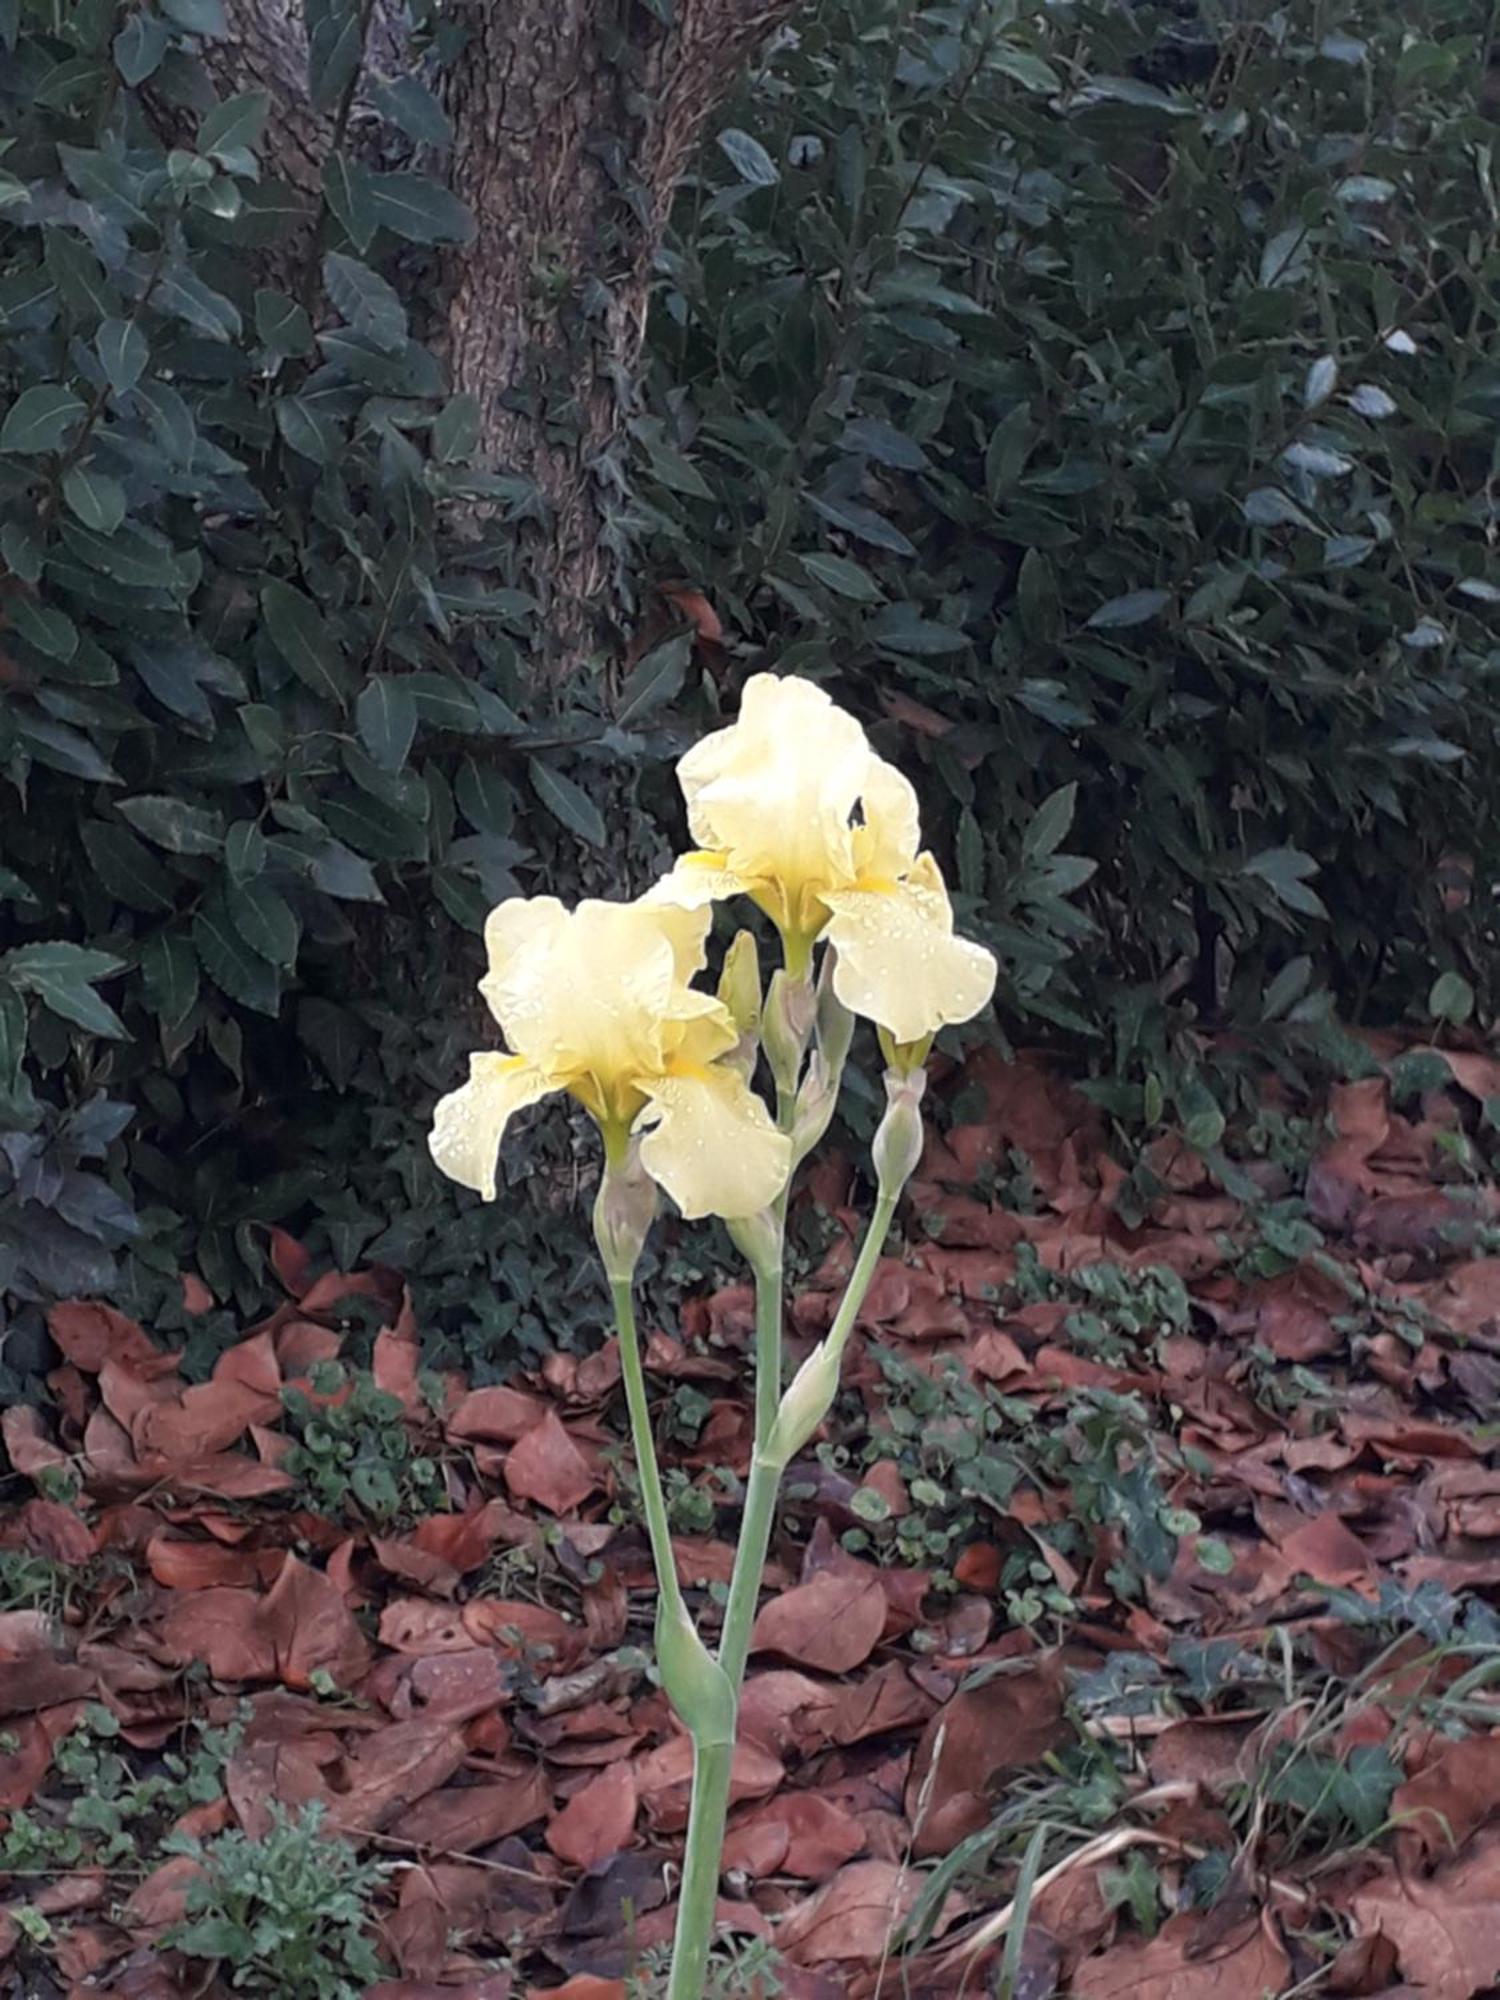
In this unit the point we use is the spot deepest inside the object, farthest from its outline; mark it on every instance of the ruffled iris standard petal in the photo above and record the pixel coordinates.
(587, 993)
(899, 963)
(519, 935)
(695, 881)
(890, 832)
(469, 1123)
(711, 1142)
(775, 793)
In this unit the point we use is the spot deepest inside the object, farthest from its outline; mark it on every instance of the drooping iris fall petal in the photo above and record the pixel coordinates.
(710, 1142)
(898, 962)
(469, 1124)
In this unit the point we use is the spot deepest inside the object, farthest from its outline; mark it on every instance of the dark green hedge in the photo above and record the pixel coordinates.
(1121, 384)
(1106, 398)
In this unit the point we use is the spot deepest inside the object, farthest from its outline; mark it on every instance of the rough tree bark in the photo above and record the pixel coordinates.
(574, 120)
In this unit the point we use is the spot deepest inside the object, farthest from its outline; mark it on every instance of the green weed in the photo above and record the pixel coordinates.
(286, 1915)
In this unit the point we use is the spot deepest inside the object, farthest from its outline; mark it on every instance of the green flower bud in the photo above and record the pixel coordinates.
(785, 1026)
(835, 1022)
(739, 983)
(898, 1138)
(696, 1685)
(808, 1399)
(624, 1210)
(816, 1100)
(758, 1238)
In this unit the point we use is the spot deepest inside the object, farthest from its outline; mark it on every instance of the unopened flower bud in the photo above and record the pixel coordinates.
(695, 1684)
(739, 983)
(898, 1137)
(808, 1399)
(785, 1026)
(624, 1210)
(758, 1239)
(835, 1022)
(815, 1106)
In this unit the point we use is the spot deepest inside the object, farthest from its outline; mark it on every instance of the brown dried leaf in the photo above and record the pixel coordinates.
(833, 1622)
(464, 1818)
(1444, 1928)
(89, 1334)
(547, 1468)
(1004, 1724)
(851, 1917)
(1246, 1964)
(1452, 1795)
(810, 1835)
(309, 1626)
(390, 1770)
(598, 1820)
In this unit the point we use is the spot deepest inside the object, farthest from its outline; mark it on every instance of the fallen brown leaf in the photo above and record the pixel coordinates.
(597, 1821)
(1445, 1928)
(310, 1626)
(1451, 1796)
(546, 1466)
(463, 1818)
(852, 1917)
(1247, 1964)
(810, 1835)
(833, 1622)
(1004, 1724)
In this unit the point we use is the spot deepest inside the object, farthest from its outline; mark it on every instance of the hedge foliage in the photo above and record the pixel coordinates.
(1105, 397)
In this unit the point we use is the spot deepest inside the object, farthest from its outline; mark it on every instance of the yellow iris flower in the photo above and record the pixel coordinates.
(791, 807)
(597, 1001)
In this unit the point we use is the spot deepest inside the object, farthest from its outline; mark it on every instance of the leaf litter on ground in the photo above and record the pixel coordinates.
(1157, 1533)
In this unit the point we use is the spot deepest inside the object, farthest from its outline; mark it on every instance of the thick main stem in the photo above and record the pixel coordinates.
(713, 1771)
(713, 1766)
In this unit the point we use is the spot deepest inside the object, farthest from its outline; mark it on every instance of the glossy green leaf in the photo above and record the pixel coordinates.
(172, 823)
(40, 419)
(123, 352)
(567, 802)
(366, 301)
(97, 500)
(235, 125)
(748, 157)
(302, 637)
(264, 920)
(230, 963)
(419, 209)
(655, 680)
(387, 716)
(140, 46)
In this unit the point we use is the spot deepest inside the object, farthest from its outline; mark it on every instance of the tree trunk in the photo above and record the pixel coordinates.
(573, 122)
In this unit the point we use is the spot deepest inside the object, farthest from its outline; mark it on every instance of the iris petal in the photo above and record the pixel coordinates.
(899, 963)
(711, 1142)
(469, 1123)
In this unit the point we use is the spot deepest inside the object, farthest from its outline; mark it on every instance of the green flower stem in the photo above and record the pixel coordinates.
(653, 1500)
(760, 1493)
(713, 1765)
(837, 1335)
(768, 1293)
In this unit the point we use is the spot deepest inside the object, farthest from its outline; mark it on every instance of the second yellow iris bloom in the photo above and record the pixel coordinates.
(791, 806)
